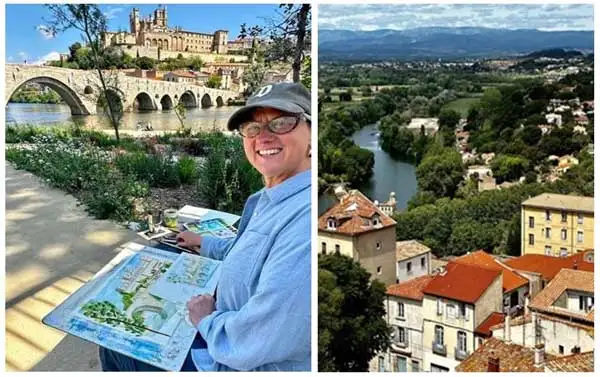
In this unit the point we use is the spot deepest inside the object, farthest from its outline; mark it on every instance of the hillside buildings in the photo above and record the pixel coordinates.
(558, 225)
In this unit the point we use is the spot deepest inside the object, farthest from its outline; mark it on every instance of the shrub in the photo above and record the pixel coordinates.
(188, 171)
(156, 170)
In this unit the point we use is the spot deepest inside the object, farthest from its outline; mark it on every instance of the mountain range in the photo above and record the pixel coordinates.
(445, 42)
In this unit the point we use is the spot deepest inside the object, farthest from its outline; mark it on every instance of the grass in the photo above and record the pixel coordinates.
(462, 105)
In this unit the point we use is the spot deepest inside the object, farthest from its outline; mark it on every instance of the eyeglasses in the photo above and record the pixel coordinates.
(279, 126)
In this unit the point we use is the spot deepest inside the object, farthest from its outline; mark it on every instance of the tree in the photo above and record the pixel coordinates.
(441, 173)
(509, 168)
(448, 119)
(88, 19)
(288, 33)
(214, 81)
(180, 112)
(253, 77)
(145, 62)
(352, 328)
(306, 72)
(196, 64)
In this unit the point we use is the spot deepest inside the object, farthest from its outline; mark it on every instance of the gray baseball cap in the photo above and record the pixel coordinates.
(288, 97)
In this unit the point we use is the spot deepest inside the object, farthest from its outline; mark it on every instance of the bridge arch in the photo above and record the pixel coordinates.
(64, 91)
(115, 97)
(206, 101)
(219, 101)
(188, 99)
(143, 101)
(166, 102)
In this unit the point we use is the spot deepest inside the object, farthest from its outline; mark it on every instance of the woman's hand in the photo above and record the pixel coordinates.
(189, 239)
(199, 307)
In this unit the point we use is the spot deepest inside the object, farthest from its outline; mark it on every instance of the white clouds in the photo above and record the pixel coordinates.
(509, 16)
(45, 31)
(54, 55)
(22, 55)
(110, 13)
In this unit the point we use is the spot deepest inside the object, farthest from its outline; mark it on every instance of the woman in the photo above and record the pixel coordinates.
(260, 319)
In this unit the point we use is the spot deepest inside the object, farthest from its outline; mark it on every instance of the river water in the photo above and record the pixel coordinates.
(54, 114)
(389, 175)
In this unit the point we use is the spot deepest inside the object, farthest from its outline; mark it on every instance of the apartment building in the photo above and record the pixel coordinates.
(404, 314)
(413, 260)
(455, 303)
(355, 227)
(557, 225)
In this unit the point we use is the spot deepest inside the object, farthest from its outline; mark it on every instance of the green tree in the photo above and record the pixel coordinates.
(448, 119)
(353, 328)
(509, 168)
(441, 173)
(145, 62)
(214, 81)
(89, 20)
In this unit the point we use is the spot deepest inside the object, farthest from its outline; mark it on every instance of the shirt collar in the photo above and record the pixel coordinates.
(288, 187)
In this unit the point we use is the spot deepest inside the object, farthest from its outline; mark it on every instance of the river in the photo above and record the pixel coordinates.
(389, 175)
(54, 114)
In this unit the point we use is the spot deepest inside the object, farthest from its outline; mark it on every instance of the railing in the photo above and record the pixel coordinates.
(439, 349)
(460, 354)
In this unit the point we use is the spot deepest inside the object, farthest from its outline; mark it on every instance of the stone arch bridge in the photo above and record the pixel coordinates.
(80, 89)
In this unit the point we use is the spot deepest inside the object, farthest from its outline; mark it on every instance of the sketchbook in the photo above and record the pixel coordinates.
(136, 304)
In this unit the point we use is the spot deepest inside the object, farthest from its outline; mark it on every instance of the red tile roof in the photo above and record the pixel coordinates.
(461, 282)
(580, 362)
(510, 279)
(546, 265)
(513, 358)
(566, 279)
(354, 215)
(184, 74)
(484, 329)
(411, 289)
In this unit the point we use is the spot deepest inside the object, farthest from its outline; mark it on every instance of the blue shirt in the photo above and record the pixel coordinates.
(262, 316)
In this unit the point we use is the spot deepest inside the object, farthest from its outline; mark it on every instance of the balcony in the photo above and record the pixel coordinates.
(460, 354)
(439, 349)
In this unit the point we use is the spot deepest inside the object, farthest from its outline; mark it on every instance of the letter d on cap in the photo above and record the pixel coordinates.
(264, 91)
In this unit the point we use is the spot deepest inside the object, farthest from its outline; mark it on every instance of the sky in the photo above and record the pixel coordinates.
(545, 17)
(26, 38)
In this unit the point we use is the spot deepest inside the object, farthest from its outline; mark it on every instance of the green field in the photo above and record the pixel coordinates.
(462, 105)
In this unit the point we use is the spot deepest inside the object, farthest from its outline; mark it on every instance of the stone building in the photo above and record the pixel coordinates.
(154, 32)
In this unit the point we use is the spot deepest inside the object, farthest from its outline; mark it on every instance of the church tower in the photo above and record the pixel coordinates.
(160, 17)
(134, 21)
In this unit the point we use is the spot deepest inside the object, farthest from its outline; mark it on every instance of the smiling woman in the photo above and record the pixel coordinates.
(260, 316)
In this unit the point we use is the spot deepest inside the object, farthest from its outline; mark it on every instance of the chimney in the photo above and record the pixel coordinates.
(538, 355)
(507, 326)
(493, 363)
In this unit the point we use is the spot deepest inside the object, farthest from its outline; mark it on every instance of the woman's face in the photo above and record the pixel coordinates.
(278, 157)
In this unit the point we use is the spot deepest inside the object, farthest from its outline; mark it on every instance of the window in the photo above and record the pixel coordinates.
(381, 363)
(439, 307)
(579, 236)
(378, 245)
(479, 342)
(561, 350)
(401, 309)
(409, 268)
(531, 239)
(422, 262)
(563, 216)
(414, 366)
(439, 335)
(586, 303)
(402, 335)
(462, 341)
(401, 364)
(548, 218)
(379, 270)
(563, 234)
(548, 250)
(462, 310)
(375, 221)
(323, 247)
(531, 222)
(563, 252)
(331, 223)
(548, 234)
(579, 218)
(439, 368)
(337, 248)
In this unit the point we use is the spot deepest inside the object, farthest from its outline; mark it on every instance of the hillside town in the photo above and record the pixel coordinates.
(478, 312)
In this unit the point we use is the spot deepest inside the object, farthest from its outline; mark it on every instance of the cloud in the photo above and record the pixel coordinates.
(22, 55)
(408, 16)
(45, 31)
(111, 13)
(54, 55)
